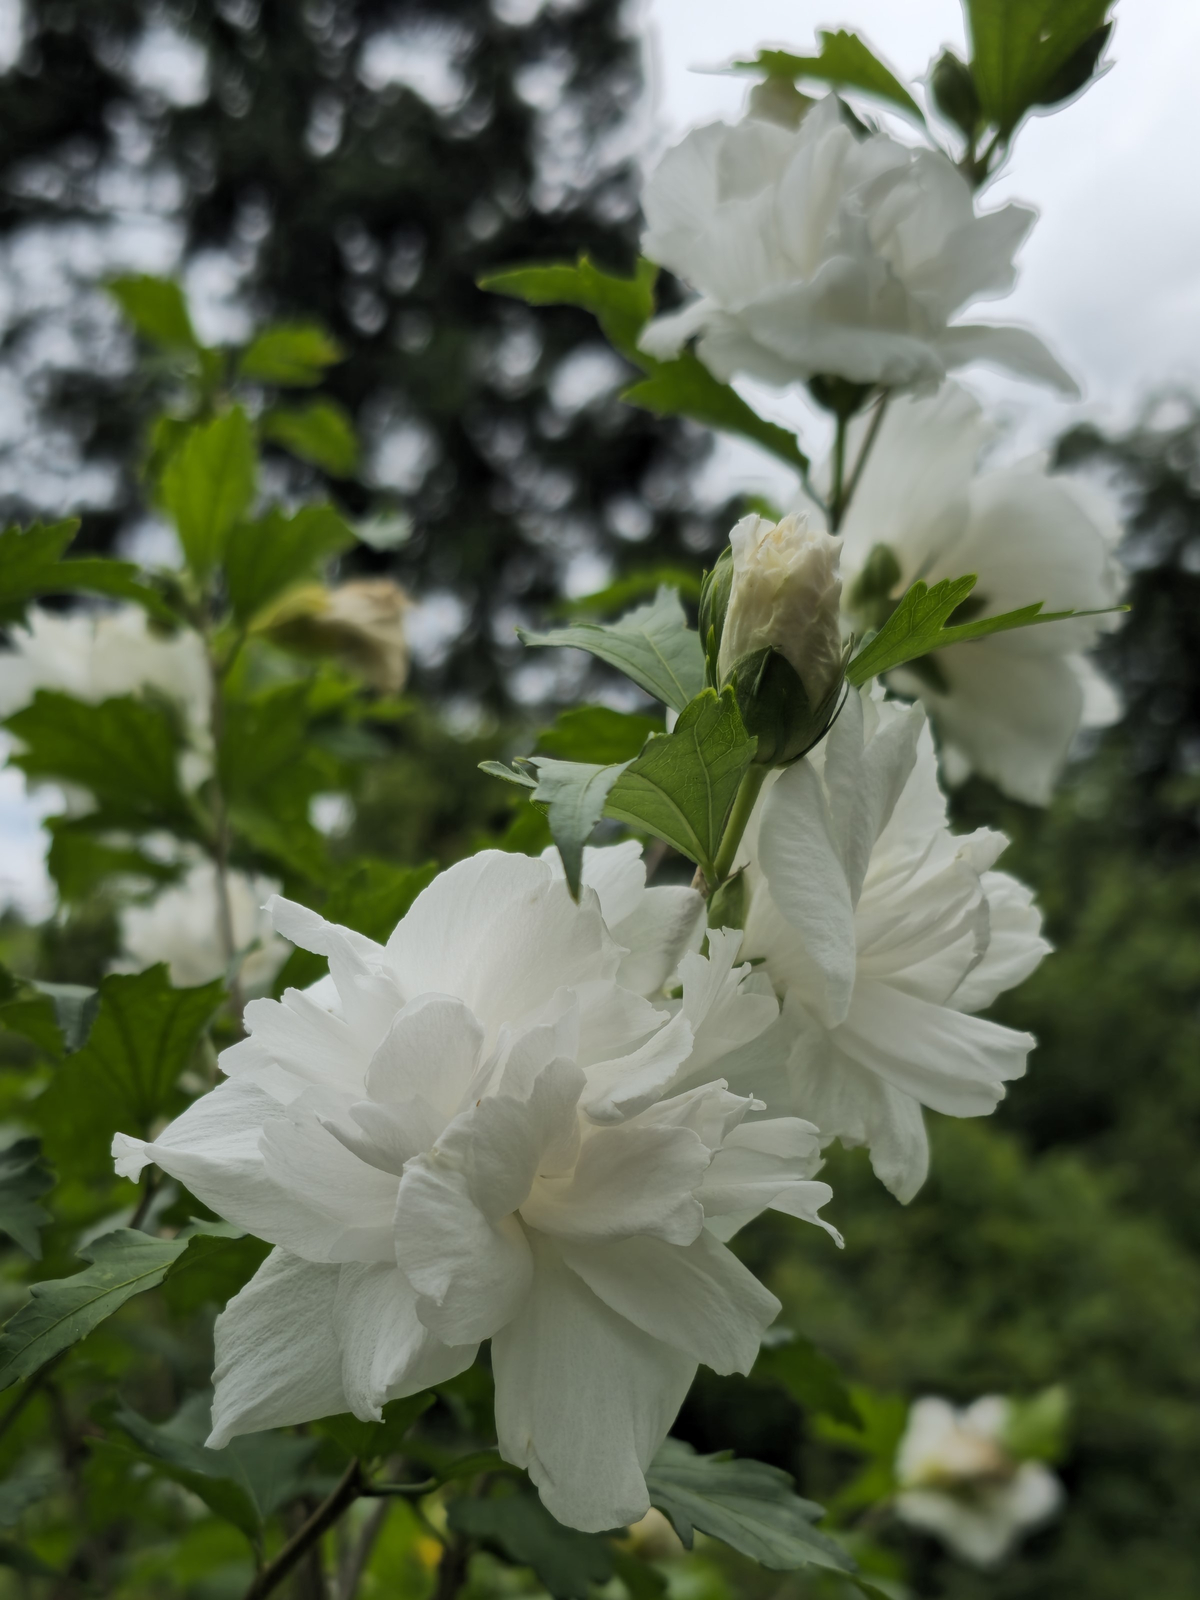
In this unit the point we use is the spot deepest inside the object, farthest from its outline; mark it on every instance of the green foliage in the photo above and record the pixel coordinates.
(207, 486)
(596, 733)
(157, 309)
(24, 1179)
(1026, 53)
(520, 1527)
(634, 586)
(746, 1504)
(1036, 1429)
(622, 306)
(277, 550)
(371, 898)
(321, 432)
(652, 644)
(686, 388)
(371, 1441)
(290, 355)
(31, 564)
(845, 61)
(575, 794)
(810, 1377)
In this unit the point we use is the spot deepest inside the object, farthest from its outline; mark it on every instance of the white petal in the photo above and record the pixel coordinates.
(324, 1202)
(386, 1350)
(302, 1037)
(431, 1050)
(356, 963)
(628, 1180)
(725, 1012)
(583, 1399)
(1011, 349)
(277, 1357)
(655, 936)
(1015, 943)
(866, 772)
(622, 1087)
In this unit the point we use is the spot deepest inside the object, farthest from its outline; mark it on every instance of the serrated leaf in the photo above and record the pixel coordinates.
(290, 354)
(24, 1178)
(810, 1377)
(682, 785)
(1018, 47)
(686, 388)
(371, 897)
(651, 644)
(207, 486)
(575, 794)
(597, 733)
(266, 557)
(321, 432)
(519, 1526)
(917, 626)
(371, 1440)
(746, 1504)
(622, 306)
(157, 309)
(847, 62)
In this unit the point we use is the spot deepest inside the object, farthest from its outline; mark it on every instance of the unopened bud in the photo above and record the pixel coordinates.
(361, 623)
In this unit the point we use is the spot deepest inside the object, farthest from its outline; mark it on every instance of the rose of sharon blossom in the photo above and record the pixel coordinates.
(818, 252)
(883, 933)
(959, 1480)
(785, 594)
(1009, 706)
(182, 926)
(485, 1140)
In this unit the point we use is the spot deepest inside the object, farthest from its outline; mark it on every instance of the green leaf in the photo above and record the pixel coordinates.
(652, 644)
(574, 793)
(686, 388)
(62, 1311)
(28, 559)
(207, 486)
(746, 1504)
(682, 785)
(846, 62)
(519, 1526)
(882, 1421)
(293, 355)
(810, 1377)
(321, 432)
(24, 1561)
(219, 1260)
(81, 858)
(75, 1007)
(631, 586)
(24, 1178)
(1020, 47)
(124, 751)
(125, 1077)
(596, 733)
(157, 309)
(54, 1016)
(372, 1440)
(917, 626)
(643, 1581)
(268, 556)
(622, 306)
(1036, 1428)
(18, 1494)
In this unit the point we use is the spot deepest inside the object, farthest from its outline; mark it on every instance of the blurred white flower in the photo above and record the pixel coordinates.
(485, 1140)
(182, 926)
(817, 251)
(883, 933)
(1008, 706)
(959, 1479)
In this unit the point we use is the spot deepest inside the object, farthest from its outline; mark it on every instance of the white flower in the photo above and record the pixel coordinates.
(1008, 706)
(883, 933)
(95, 656)
(487, 1140)
(181, 925)
(819, 252)
(958, 1479)
(785, 594)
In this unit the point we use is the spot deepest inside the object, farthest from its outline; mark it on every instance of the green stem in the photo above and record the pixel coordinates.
(739, 816)
(836, 503)
(857, 471)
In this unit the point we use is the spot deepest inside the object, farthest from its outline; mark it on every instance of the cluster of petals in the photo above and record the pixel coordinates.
(884, 934)
(486, 1130)
(822, 251)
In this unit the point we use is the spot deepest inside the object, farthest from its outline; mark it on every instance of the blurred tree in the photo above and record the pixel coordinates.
(361, 162)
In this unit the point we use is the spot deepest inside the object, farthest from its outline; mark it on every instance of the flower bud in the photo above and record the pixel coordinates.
(360, 623)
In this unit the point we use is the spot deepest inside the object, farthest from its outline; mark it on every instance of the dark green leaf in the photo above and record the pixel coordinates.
(157, 309)
(686, 388)
(371, 898)
(746, 1504)
(321, 432)
(876, 1435)
(682, 785)
(18, 1494)
(207, 486)
(643, 1581)
(574, 793)
(810, 1377)
(1018, 48)
(846, 62)
(622, 306)
(264, 558)
(954, 94)
(219, 1260)
(652, 644)
(24, 1561)
(24, 1178)
(596, 733)
(75, 1006)
(28, 557)
(292, 354)
(520, 1527)
(80, 859)
(371, 1440)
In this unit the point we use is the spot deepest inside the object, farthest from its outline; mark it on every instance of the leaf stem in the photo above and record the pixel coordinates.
(739, 816)
(856, 473)
(222, 835)
(836, 502)
(339, 1499)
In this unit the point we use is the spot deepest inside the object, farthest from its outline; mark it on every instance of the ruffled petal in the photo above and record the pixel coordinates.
(628, 1180)
(386, 1351)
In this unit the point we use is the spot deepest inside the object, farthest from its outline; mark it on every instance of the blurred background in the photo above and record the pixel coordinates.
(362, 163)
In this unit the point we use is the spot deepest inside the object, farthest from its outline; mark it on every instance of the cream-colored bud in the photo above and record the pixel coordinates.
(362, 622)
(786, 594)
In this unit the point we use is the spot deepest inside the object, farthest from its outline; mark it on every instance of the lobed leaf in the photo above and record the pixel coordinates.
(207, 486)
(597, 733)
(269, 555)
(566, 1561)
(575, 794)
(847, 62)
(31, 565)
(24, 1178)
(622, 306)
(810, 1377)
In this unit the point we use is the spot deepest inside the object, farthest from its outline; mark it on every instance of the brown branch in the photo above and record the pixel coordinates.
(323, 1518)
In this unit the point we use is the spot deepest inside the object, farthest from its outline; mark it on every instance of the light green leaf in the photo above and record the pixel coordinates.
(157, 309)
(631, 586)
(293, 355)
(682, 785)
(24, 1178)
(622, 306)
(265, 557)
(574, 793)
(321, 432)
(882, 1419)
(686, 388)
(846, 61)
(1032, 52)
(207, 486)
(917, 626)
(1036, 1428)
(54, 1016)
(520, 1527)
(597, 733)
(746, 1504)
(652, 644)
(810, 1377)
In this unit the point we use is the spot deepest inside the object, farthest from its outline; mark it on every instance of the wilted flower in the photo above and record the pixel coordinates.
(1008, 706)
(487, 1139)
(818, 252)
(960, 1479)
(181, 925)
(360, 622)
(883, 933)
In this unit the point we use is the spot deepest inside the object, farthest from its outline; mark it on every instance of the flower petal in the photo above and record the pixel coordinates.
(386, 1350)
(431, 1049)
(628, 1180)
